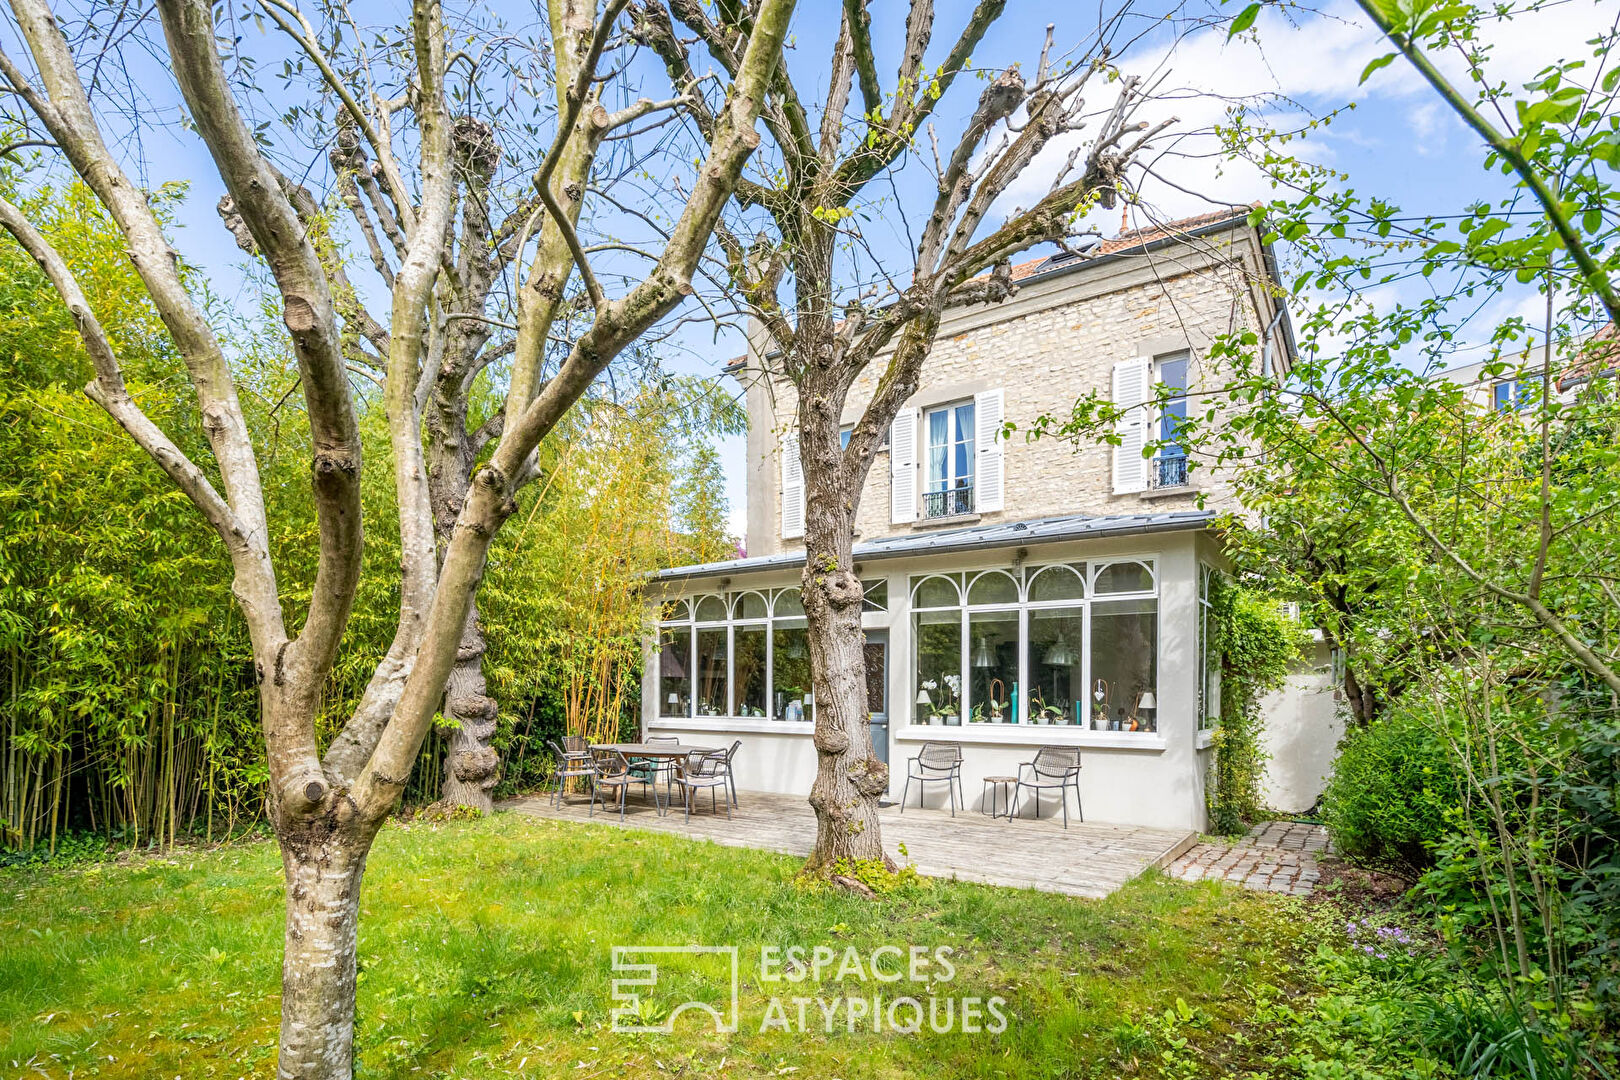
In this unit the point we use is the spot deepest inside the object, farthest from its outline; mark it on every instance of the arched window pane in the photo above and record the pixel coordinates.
(788, 604)
(673, 611)
(937, 592)
(1056, 583)
(711, 609)
(1123, 577)
(750, 605)
(993, 588)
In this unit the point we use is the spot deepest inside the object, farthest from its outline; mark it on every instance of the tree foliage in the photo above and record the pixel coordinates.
(1436, 478)
(129, 704)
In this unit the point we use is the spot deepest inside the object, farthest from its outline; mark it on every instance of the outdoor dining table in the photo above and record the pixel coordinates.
(659, 750)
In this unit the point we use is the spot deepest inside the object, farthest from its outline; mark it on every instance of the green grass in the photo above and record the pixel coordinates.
(485, 952)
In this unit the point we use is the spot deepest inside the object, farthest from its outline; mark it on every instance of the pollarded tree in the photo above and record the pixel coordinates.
(485, 319)
(799, 277)
(327, 806)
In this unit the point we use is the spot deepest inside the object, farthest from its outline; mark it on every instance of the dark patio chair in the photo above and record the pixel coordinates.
(728, 756)
(1054, 767)
(613, 772)
(569, 765)
(657, 768)
(935, 763)
(699, 770)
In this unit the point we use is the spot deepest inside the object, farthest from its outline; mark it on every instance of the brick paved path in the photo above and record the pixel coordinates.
(1276, 856)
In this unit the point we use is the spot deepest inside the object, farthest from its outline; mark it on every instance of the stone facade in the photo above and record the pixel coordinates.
(1055, 341)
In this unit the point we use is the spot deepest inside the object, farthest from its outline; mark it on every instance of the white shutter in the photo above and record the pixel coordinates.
(792, 487)
(988, 482)
(903, 467)
(1130, 396)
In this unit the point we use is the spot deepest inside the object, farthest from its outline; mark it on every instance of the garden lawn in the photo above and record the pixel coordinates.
(485, 952)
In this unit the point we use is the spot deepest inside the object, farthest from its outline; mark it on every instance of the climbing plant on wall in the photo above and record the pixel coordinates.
(1256, 642)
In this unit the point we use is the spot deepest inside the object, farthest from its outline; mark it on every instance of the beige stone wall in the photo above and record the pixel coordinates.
(1055, 342)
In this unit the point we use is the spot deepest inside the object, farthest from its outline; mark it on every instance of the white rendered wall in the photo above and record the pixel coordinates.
(1301, 733)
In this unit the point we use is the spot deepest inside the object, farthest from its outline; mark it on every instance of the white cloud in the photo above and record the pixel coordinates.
(1295, 67)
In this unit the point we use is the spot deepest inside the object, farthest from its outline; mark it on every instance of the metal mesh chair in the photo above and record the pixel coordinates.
(570, 764)
(655, 769)
(698, 771)
(1054, 768)
(613, 772)
(935, 763)
(727, 756)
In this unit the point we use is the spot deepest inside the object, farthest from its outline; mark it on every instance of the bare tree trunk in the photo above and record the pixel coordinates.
(323, 864)
(472, 768)
(849, 776)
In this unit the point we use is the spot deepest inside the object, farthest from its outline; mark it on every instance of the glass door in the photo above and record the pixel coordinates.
(876, 651)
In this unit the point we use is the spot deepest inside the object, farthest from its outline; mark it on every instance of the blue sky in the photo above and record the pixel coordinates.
(1398, 141)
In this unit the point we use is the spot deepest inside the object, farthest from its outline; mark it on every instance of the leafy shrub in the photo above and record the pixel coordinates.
(1387, 800)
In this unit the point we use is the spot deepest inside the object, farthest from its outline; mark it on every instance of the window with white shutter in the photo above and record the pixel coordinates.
(1130, 397)
(792, 487)
(903, 467)
(989, 412)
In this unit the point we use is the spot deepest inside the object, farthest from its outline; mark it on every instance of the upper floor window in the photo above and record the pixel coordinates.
(948, 460)
(1169, 467)
(948, 489)
(1510, 395)
(849, 429)
(1151, 451)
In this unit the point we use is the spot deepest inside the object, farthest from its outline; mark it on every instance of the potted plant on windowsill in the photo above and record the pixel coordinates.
(949, 710)
(925, 704)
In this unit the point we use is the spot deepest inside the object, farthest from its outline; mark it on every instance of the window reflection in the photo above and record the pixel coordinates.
(748, 670)
(1057, 687)
(712, 698)
(790, 672)
(1124, 664)
(993, 666)
(674, 672)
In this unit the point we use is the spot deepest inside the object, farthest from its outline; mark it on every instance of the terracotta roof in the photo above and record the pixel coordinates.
(1132, 238)
(1600, 356)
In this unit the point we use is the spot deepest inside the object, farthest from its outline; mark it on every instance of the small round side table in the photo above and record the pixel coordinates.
(993, 786)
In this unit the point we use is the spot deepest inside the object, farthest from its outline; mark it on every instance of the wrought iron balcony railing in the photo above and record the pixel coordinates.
(1169, 471)
(951, 502)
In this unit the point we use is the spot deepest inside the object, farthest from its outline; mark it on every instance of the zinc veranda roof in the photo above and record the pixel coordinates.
(948, 541)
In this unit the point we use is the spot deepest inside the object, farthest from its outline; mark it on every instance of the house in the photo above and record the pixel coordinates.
(1512, 382)
(1018, 593)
